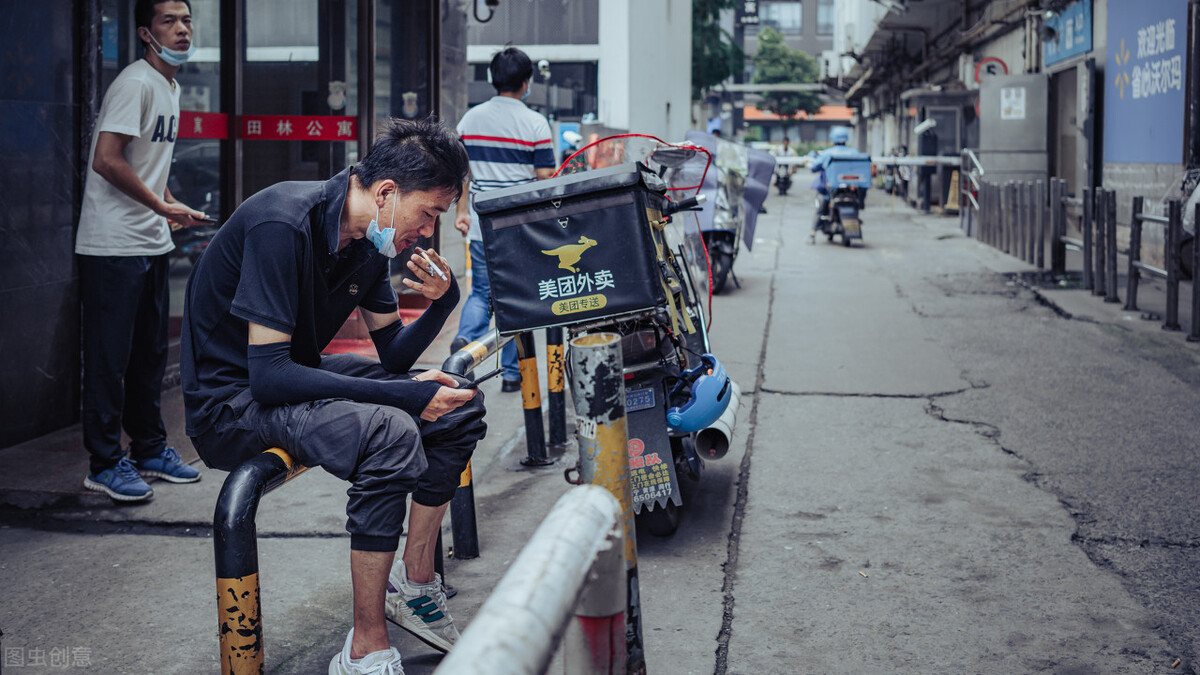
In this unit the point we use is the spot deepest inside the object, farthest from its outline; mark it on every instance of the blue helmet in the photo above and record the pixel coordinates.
(710, 392)
(839, 135)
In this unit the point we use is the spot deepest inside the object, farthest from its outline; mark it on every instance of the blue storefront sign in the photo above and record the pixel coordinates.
(1072, 33)
(1144, 81)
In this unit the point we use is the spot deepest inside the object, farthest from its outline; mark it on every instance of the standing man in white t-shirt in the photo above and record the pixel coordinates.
(508, 144)
(122, 243)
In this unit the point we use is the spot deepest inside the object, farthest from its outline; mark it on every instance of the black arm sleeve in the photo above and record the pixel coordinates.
(400, 346)
(276, 379)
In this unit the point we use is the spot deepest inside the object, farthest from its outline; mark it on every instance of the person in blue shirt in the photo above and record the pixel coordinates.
(820, 166)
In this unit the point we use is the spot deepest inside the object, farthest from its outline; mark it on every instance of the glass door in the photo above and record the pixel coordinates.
(298, 84)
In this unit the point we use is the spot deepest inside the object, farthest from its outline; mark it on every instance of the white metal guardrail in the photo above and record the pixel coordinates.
(885, 161)
(574, 564)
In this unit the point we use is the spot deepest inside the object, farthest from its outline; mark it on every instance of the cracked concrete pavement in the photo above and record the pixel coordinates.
(939, 467)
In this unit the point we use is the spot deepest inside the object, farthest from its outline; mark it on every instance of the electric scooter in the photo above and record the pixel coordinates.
(846, 180)
(736, 188)
(681, 406)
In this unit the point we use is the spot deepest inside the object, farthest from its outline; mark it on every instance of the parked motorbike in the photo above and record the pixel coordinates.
(681, 406)
(736, 190)
(846, 180)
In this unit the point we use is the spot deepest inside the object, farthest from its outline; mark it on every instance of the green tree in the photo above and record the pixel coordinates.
(776, 63)
(715, 56)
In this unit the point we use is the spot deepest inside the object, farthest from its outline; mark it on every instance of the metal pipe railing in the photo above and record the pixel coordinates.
(1039, 197)
(973, 172)
(556, 396)
(1100, 211)
(1058, 221)
(1173, 223)
(462, 504)
(1194, 335)
(1086, 226)
(573, 565)
(975, 163)
(531, 402)
(598, 392)
(1110, 246)
(1023, 225)
(1016, 217)
(466, 359)
(235, 548)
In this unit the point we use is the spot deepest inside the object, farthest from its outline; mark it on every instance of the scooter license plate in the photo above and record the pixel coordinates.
(639, 399)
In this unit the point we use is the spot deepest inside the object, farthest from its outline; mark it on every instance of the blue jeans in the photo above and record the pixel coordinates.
(476, 316)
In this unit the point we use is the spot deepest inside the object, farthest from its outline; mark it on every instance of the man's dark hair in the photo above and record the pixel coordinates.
(418, 154)
(144, 10)
(510, 69)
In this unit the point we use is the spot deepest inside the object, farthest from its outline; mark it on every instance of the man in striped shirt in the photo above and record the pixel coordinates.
(508, 144)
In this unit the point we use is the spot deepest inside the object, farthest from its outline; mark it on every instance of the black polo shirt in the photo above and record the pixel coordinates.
(274, 262)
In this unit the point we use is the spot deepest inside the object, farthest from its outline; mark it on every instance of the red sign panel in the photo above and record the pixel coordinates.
(203, 125)
(299, 128)
(269, 127)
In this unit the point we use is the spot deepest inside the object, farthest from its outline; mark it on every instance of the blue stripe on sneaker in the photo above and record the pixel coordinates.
(425, 608)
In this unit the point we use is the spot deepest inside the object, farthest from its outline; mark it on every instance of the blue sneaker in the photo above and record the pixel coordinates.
(168, 467)
(122, 482)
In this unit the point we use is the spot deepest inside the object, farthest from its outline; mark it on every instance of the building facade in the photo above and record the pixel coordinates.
(278, 90)
(806, 25)
(615, 64)
(1093, 92)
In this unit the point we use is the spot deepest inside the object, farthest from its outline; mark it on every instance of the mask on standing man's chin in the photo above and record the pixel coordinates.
(174, 57)
(384, 240)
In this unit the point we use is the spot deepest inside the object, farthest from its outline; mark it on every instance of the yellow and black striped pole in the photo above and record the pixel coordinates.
(556, 396)
(235, 543)
(462, 505)
(598, 392)
(531, 401)
(462, 518)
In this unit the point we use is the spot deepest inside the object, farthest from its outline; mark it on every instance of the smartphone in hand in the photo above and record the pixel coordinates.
(475, 382)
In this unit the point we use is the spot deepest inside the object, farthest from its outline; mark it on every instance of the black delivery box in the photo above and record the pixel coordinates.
(573, 249)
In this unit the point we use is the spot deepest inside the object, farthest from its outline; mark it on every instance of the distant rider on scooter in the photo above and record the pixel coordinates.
(840, 136)
(783, 172)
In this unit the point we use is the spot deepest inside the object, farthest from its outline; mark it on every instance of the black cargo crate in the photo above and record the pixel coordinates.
(573, 249)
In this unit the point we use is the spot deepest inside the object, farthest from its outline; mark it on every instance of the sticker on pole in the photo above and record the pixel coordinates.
(586, 428)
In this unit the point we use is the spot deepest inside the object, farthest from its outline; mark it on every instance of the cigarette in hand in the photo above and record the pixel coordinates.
(433, 269)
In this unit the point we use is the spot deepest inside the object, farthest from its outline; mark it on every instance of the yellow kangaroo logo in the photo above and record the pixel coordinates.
(569, 254)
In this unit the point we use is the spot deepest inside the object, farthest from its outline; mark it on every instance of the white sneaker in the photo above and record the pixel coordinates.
(383, 662)
(420, 609)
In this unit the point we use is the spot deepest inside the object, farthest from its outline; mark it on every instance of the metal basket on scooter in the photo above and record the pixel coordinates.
(573, 249)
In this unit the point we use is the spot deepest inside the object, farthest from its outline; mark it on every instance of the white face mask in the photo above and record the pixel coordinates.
(174, 57)
(384, 240)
